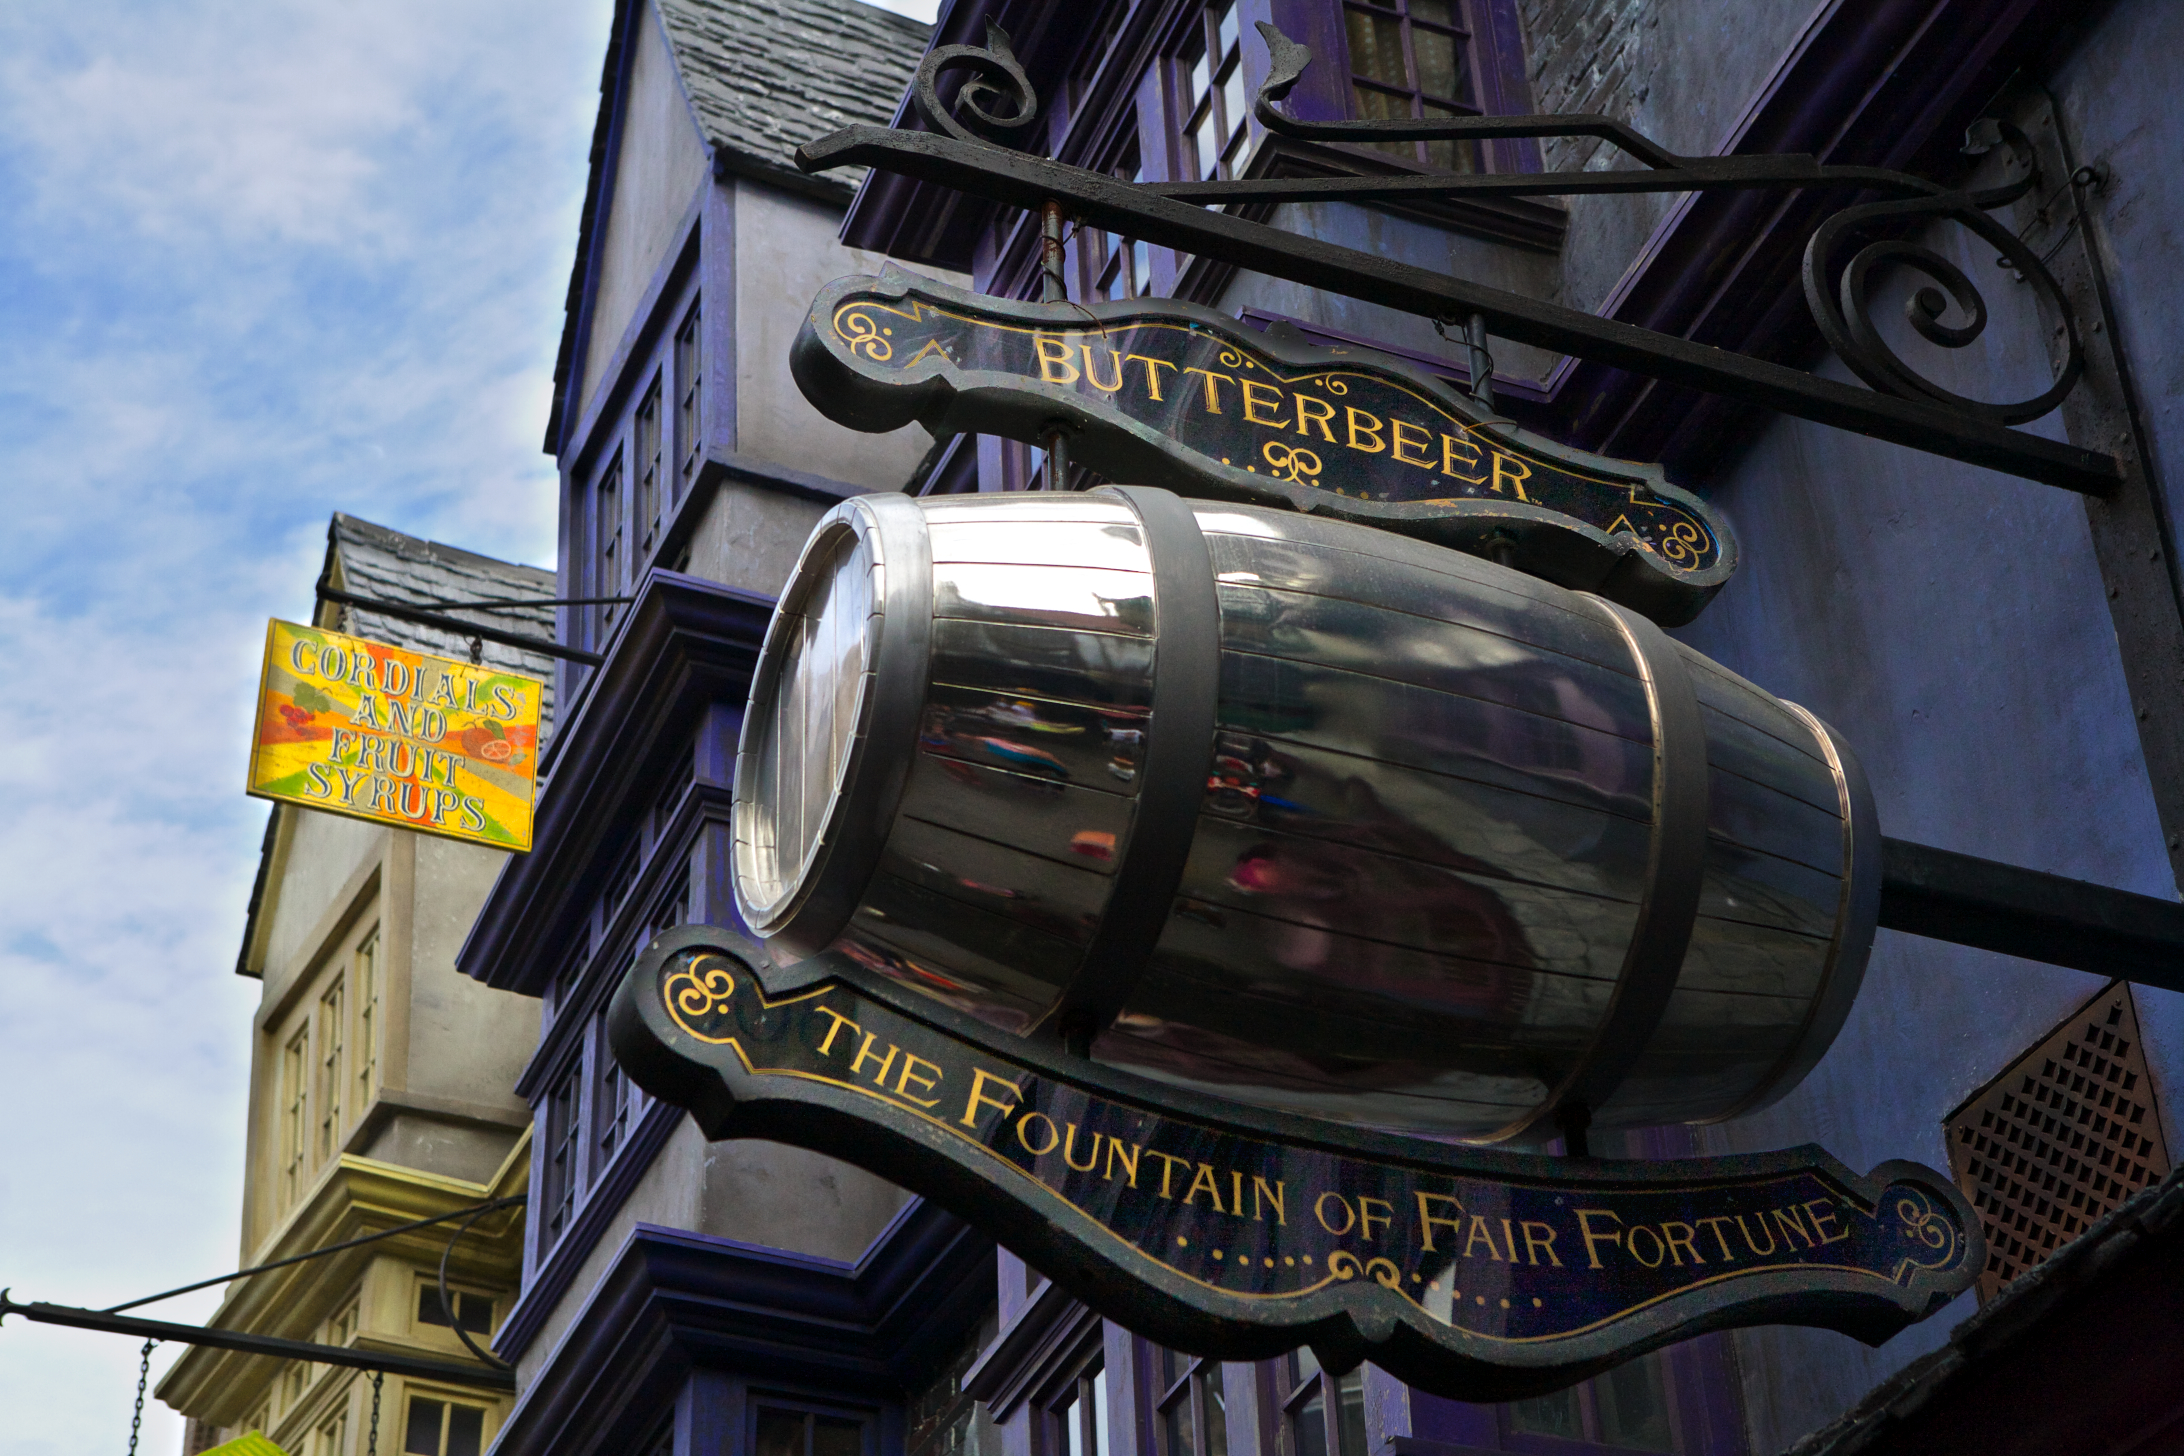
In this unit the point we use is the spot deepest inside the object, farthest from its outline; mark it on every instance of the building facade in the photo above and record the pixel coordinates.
(2003, 655)
(380, 1086)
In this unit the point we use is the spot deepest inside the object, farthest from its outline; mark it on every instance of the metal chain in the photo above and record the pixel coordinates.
(144, 1375)
(371, 1444)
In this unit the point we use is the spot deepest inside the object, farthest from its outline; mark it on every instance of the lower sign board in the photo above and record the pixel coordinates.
(1220, 1230)
(429, 743)
(1154, 392)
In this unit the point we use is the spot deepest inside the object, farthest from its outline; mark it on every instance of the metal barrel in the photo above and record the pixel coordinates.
(1300, 814)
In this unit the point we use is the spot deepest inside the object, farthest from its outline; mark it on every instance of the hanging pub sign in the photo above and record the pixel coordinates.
(1155, 392)
(1478, 1275)
(405, 738)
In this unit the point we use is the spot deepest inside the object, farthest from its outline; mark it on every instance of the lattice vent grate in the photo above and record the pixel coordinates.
(2061, 1138)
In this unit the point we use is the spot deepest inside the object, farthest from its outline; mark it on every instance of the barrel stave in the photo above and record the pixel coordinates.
(1070, 824)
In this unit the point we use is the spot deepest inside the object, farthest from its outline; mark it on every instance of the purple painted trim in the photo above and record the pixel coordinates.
(684, 645)
(674, 1305)
(591, 223)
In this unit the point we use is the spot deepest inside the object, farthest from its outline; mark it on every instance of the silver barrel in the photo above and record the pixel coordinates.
(1299, 813)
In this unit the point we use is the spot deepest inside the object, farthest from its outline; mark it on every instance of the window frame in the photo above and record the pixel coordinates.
(1298, 1381)
(757, 1402)
(1465, 37)
(1191, 1381)
(1221, 53)
(1080, 1395)
(449, 1402)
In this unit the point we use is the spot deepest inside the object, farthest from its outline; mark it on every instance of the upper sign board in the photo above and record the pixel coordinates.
(1154, 392)
(405, 738)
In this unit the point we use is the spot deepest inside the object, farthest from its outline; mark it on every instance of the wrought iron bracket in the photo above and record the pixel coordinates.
(1902, 407)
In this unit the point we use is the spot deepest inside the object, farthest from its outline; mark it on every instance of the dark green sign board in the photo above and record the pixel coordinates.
(1154, 392)
(1216, 1229)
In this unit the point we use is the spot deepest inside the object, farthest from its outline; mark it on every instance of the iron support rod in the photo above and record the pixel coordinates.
(1960, 898)
(455, 624)
(1693, 177)
(420, 1366)
(1020, 180)
(1054, 288)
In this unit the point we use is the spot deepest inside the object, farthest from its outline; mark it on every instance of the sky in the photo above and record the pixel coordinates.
(258, 263)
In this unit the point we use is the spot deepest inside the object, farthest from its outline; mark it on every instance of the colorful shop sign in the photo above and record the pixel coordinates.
(1481, 1275)
(376, 732)
(1153, 392)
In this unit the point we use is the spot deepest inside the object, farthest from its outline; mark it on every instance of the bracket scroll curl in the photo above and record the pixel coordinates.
(991, 62)
(1843, 311)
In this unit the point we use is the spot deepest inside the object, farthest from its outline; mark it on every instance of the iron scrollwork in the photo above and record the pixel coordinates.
(994, 60)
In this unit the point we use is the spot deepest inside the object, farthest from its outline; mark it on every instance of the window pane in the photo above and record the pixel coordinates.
(474, 1312)
(834, 1436)
(1308, 1427)
(1201, 77)
(1633, 1407)
(1436, 55)
(1216, 1412)
(1302, 1363)
(780, 1433)
(465, 1430)
(1376, 48)
(1549, 1415)
(1232, 98)
(422, 1435)
(1206, 139)
(428, 1305)
(1182, 1432)
(1451, 156)
(1350, 1411)
(1141, 270)
(1099, 1412)
(1228, 29)
(1441, 12)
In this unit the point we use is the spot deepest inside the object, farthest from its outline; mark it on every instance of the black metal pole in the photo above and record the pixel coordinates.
(1053, 288)
(1960, 898)
(421, 1366)
(456, 624)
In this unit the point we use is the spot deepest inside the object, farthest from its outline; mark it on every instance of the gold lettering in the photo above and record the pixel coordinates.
(1069, 1148)
(1129, 1161)
(1820, 1208)
(1449, 446)
(1397, 442)
(1236, 1193)
(864, 1054)
(1053, 355)
(1152, 376)
(1355, 414)
(1319, 412)
(1092, 378)
(1480, 1230)
(1714, 1225)
(1349, 1214)
(1791, 1221)
(1366, 1217)
(1167, 1169)
(1427, 1218)
(1585, 1216)
(910, 1063)
(840, 1021)
(1054, 1134)
(1252, 389)
(1683, 1244)
(1748, 1240)
(1516, 473)
(1273, 1195)
(1213, 391)
(979, 1078)
(1533, 1243)
(1630, 1244)
(1204, 1179)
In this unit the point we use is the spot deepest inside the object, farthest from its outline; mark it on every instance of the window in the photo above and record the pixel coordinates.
(651, 477)
(946, 1420)
(607, 531)
(1076, 1420)
(1213, 130)
(473, 1311)
(1119, 267)
(1410, 59)
(557, 1190)
(367, 1018)
(332, 1079)
(1321, 1416)
(689, 379)
(341, 1329)
(1627, 1407)
(333, 1437)
(807, 1433)
(294, 1378)
(442, 1428)
(613, 1102)
(1193, 1409)
(260, 1418)
(295, 1112)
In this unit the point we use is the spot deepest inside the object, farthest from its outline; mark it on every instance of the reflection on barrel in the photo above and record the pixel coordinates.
(1423, 840)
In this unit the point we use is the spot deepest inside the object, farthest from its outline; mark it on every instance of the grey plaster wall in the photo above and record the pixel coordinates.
(467, 1042)
(467, 1151)
(325, 851)
(749, 536)
(1952, 624)
(658, 170)
(785, 251)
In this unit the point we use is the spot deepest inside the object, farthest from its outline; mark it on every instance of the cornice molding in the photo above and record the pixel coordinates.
(1051, 1335)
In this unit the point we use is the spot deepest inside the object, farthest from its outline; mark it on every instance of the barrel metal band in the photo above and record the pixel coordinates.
(1669, 905)
(1172, 776)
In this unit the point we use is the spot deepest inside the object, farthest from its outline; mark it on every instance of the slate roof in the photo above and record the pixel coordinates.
(766, 76)
(2091, 1276)
(763, 77)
